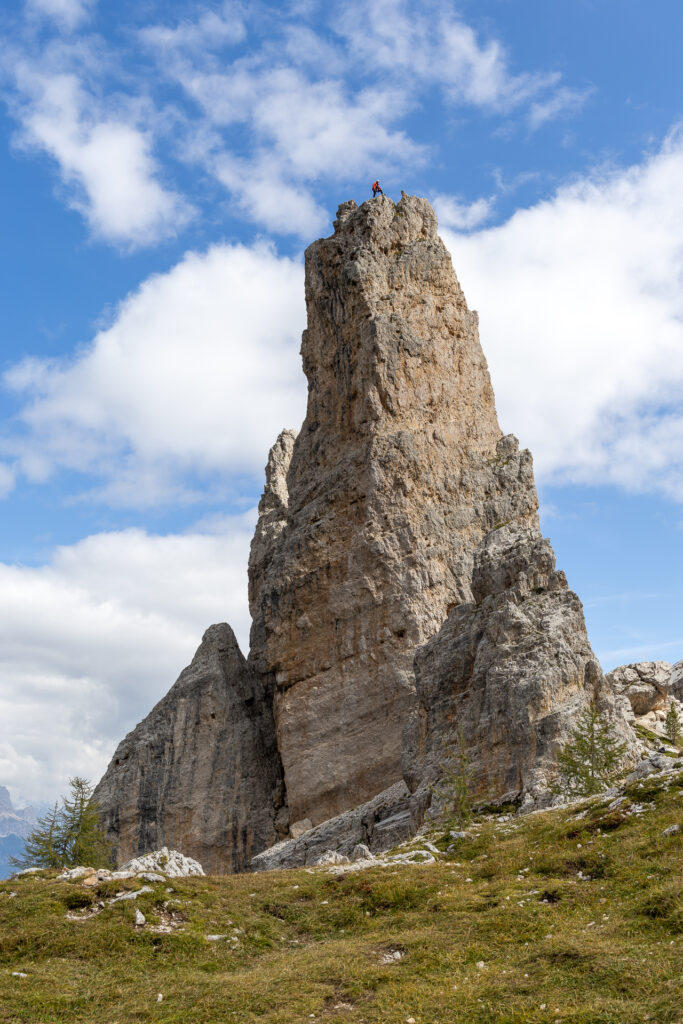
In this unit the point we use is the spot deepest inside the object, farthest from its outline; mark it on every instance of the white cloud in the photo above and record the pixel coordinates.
(582, 323)
(459, 216)
(430, 43)
(198, 373)
(301, 131)
(69, 14)
(563, 103)
(265, 198)
(208, 30)
(90, 641)
(7, 479)
(291, 109)
(105, 161)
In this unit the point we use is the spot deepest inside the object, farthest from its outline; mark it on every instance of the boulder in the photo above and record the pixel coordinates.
(170, 863)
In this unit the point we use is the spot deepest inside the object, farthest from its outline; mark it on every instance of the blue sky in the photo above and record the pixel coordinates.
(163, 167)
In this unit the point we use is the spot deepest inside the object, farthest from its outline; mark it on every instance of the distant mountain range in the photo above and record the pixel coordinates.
(15, 825)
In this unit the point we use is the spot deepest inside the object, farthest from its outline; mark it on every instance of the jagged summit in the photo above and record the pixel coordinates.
(372, 520)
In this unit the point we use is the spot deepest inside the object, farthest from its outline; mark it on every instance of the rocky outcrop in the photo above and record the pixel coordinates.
(366, 537)
(509, 671)
(201, 773)
(646, 684)
(648, 690)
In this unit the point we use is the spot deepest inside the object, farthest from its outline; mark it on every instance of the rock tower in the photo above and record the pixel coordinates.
(371, 515)
(398, 584)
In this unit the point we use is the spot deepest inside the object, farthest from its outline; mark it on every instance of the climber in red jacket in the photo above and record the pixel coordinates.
(376, 189)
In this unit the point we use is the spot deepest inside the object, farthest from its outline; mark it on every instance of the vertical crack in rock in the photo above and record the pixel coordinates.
(200, 773)
(397, 473)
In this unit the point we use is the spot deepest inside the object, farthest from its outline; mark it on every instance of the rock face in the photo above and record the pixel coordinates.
(511, 669)
(371, 516)
(201, 773)
(648, 690)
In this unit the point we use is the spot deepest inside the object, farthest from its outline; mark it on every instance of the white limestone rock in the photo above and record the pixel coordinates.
(166, 862)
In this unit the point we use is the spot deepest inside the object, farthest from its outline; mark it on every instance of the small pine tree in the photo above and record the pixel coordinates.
(453, 784)
(68, 835)
(44, 846)
(85, 841)
(592, 757)
(672, 726)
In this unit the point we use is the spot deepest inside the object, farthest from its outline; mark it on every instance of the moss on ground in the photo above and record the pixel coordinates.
(571, 916)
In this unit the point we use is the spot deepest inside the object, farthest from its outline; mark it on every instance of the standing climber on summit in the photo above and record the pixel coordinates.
(376, 189)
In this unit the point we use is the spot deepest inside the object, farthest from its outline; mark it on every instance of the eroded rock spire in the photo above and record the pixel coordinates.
(399, 470)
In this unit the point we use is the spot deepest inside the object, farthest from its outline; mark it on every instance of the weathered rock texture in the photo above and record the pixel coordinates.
(371, 516)
(201, 773)
(511, 670)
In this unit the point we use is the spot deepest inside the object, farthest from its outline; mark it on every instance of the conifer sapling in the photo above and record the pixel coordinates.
(672, 726)
(591, 759)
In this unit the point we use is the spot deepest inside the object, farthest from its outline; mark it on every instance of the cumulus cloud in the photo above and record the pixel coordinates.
(105, 160)
(272, 115)
(197, 374)
(91, 640)
(582, 323)
(454, 213)
(263, 196)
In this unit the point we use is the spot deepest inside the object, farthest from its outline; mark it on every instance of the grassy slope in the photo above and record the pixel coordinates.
(604, 950)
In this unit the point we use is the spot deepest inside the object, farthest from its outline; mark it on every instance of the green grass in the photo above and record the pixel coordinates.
(313, 945)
